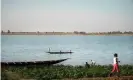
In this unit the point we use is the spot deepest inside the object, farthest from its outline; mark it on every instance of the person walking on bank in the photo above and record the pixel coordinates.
(115, 65)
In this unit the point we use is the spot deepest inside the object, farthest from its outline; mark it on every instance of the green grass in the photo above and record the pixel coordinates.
(41, 72)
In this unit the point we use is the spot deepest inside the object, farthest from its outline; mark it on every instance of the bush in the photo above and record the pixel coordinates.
(60, 71)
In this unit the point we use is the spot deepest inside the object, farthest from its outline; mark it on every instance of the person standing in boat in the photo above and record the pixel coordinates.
(115, 64)
(49, 49)
(70, 52)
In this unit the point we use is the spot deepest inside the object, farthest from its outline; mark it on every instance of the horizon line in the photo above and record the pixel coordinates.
(63, 31)
(67, 31)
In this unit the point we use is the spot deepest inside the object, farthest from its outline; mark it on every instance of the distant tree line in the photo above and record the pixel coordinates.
(78, 32)
(4, 32)
(113, 32)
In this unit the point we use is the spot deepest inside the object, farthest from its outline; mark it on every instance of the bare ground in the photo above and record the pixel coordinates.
(107, 78)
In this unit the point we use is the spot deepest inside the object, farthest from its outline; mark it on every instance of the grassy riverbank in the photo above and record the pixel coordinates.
(42, 72)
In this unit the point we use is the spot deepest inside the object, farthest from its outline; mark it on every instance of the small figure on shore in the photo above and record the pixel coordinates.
(115, 64)
(93, 62)
(87, 65)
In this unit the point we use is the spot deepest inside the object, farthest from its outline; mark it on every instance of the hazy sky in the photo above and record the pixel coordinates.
(67, 15)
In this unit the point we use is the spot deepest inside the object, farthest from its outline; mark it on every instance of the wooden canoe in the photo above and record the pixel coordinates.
(59, 52)
(50, 62)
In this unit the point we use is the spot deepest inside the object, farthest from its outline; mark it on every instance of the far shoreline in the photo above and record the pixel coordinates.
(74, 34)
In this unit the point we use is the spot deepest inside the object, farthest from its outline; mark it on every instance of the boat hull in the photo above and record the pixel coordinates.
(35, 62)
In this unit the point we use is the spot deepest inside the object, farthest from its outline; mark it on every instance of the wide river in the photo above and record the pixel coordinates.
(85, 48)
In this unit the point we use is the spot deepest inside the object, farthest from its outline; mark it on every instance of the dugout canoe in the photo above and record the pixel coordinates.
(49, 62)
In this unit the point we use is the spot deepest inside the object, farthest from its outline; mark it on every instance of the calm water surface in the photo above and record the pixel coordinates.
(85, 48)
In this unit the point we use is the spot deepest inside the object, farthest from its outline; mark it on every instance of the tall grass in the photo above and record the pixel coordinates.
(41, 72)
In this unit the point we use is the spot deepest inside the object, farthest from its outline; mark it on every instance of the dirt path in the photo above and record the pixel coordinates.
(107, 78)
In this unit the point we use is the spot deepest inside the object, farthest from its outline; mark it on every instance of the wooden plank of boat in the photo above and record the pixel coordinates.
(59, 52)
(50, 62)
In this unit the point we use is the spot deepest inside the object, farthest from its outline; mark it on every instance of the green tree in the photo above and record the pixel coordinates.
(8, 31)
(2, 31)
